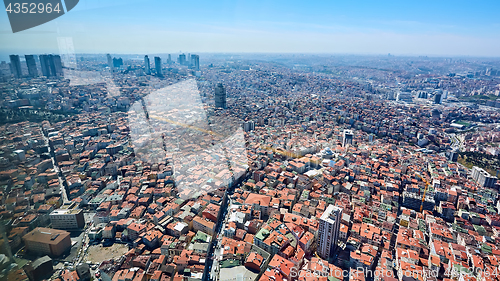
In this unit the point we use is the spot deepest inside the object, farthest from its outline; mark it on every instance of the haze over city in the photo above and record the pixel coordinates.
(437, 28)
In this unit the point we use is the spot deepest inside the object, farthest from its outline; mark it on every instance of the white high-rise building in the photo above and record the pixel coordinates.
(404, 96)
(483, 178)
(328, 234)
(347, 138)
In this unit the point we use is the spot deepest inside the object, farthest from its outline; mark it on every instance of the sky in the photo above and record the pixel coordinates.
(433, 28)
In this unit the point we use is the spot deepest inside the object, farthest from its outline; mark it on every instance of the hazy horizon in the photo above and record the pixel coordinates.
(434, 29)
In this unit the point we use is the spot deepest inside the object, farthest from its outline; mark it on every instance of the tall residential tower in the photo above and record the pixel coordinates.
(147, 67)
(158, 66)
(195, 59)
(347, 138)
(329, 227)
(15, 66)
(44, 65)
(31, 64)
(220, 96)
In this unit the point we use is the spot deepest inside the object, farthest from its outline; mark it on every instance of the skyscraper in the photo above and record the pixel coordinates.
(52, 65)
(195, 61)
(15, 64)
(220, 96)
(158, 66)
(31, 64)
(182, 59)
(329, 226)
(347, 138)
(438, 98)
(117, 62)
(169, 60)
(57, 65)
(249, 126)
(147, 67)
(44, 65)
(110, 61)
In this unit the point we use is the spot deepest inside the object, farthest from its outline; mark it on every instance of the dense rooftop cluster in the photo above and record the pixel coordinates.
(142, 178)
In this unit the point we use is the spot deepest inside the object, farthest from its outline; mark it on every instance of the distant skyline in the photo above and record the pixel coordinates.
(433, 28)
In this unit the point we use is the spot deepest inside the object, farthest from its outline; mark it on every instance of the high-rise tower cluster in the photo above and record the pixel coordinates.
(50, 66)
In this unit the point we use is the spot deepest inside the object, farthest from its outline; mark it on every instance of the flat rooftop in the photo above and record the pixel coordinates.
(46, 235)
(66, 211)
